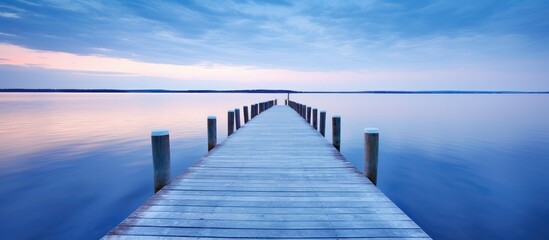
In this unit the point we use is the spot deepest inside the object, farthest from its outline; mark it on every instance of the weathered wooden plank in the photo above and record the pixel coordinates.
(264, 210)
(301, 204)
(136, 237)
(144, 222)
(274, 217)
(276, 177)
(284, 194)
(214, 187)
(266, 233)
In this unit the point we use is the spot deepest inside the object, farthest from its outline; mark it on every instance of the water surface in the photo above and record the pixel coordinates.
(73, 165)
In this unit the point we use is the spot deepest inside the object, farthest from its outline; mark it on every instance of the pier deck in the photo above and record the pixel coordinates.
(276, 177)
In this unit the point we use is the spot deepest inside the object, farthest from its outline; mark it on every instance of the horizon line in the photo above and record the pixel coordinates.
(107, 90)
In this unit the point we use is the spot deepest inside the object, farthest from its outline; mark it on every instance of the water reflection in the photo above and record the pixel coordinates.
(75, 165)
(462, 166)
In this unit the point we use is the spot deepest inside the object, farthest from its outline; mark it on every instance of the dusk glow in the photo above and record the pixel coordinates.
(314, 45)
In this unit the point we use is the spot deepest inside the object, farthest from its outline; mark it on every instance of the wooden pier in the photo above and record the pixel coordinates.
(274, 178)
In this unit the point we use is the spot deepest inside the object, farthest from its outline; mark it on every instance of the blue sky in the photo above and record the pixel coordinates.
(301, 45)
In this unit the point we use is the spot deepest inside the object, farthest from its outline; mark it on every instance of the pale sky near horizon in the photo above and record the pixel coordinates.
(298, 45)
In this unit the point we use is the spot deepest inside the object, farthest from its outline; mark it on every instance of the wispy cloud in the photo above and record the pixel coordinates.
(9, 15)
(293, 36)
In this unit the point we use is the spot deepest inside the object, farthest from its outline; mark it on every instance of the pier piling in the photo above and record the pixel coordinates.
(212, 132)
(237, 118)
(230, 123)
(160, 140)
(315, 118)
(336, 132)
(371, 146)
(245, 109)
(322, 122)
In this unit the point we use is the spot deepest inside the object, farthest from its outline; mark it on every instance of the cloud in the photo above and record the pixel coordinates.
(9, 15)
(7, 34)
(284, 38)
(214, 76)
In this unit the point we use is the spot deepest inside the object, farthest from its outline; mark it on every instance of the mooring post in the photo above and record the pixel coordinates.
(336, 132)
(212, 132)
(371, 147)
(245, 109)
(322, 122)
(160, 140)
(315, 118)
(251, 111)
(237, 118)
(230, 123)
(309, 115)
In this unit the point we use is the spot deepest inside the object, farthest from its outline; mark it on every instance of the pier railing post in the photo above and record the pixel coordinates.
(322, 122)
(246, 118)
(160, 140)
(309, 115)
(237, 118)
(371, 147)
(252, 110)
(230, 123)
(336, 132)
(315, 118)
(212, 132)
(257, 109)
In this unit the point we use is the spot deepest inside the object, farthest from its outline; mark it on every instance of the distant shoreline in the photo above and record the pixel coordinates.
(21, 90)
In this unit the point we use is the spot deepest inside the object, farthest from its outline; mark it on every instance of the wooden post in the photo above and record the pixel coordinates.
(336, 132)
(315, 118)
(245, 109)
(285, 102)
(212, 132)
(237, 118)
(309, 115)
(276, 102)
(230, 123)
(160, 140)
(257, 109)
(252, 110)
(371, 146)
(322, 122)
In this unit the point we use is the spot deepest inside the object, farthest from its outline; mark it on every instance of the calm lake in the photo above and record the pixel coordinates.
(72, 166)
